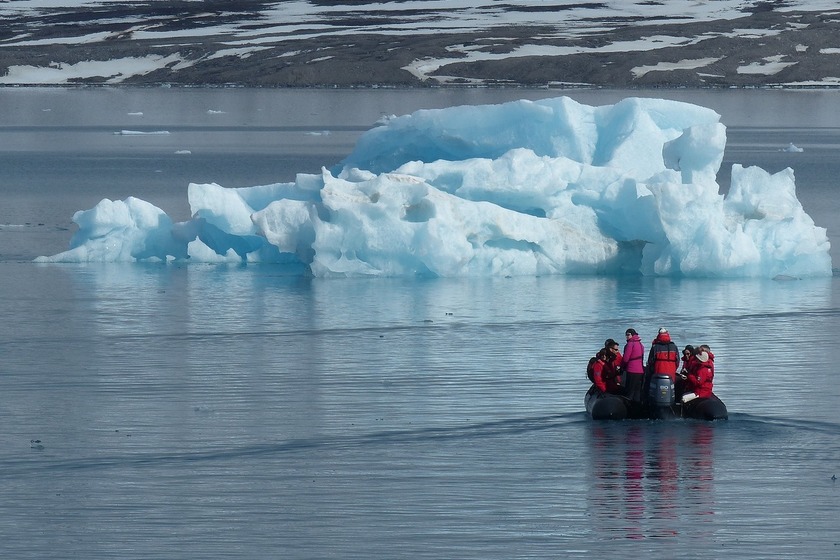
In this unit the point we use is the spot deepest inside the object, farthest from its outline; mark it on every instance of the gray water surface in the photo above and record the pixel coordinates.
(216, 411)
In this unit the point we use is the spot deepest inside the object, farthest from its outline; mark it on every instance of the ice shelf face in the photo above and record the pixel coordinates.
(520, 188)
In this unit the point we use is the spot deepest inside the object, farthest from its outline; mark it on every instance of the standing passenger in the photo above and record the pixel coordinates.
(664, 356)
(632, 364)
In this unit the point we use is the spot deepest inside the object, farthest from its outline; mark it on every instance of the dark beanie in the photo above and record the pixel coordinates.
(630, 331)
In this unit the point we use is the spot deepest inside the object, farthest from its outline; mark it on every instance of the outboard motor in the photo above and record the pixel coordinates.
(662, 397)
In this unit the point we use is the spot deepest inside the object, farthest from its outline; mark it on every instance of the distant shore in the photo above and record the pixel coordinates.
(768, 48)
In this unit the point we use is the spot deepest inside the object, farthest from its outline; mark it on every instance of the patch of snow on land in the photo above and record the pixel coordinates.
(422, 68)
(828, 81)
(770, 66)
(116, 70)
(684, 64)
(241, 52)
(73, 40)
(748, 33)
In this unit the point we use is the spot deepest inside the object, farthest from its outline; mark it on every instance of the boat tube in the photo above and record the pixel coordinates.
(662, 404)
(705, 408)
(606, 406)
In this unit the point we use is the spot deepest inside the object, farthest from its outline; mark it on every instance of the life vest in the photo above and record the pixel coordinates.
(665, 360)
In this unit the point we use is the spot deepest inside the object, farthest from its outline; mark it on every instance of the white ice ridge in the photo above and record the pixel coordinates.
(521, 188)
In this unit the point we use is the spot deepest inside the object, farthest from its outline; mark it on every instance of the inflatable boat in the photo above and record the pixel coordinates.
(662, 404)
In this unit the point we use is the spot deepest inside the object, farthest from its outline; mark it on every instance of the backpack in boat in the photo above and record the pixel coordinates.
(589, 368)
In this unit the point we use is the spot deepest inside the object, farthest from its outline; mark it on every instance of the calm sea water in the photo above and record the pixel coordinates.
(209, 411)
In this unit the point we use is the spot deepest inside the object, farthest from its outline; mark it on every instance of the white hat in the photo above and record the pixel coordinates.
(703, 356)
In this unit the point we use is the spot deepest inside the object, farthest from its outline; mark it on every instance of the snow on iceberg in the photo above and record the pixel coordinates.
(521, 188)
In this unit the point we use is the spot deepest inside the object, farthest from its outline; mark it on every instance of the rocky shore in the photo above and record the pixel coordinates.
(765, 47)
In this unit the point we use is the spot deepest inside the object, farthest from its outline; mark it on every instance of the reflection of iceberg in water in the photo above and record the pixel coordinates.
(651, 481)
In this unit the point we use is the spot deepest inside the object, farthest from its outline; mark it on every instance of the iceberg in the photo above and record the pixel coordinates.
(520, 188)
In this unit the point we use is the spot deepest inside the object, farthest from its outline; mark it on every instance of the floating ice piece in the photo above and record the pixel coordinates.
(521, 188)
(793, 149)
(141, 133)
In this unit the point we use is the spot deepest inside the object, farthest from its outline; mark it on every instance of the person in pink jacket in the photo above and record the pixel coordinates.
(633, 365)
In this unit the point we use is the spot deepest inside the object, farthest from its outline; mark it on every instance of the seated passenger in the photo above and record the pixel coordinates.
(605, 370)
(701, 372)
(687, 354)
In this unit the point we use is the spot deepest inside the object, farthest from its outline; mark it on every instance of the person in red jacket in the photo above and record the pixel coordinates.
(664, 357)
(701, 372)
(633, 365)
(687, 355)
(605, 370)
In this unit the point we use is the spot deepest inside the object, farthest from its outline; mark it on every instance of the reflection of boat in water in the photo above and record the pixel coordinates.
(652, 481)
(662, 403)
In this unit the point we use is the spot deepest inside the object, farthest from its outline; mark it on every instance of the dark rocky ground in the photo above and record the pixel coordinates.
(365, 59)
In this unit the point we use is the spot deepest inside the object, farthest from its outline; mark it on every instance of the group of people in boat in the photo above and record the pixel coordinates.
(627, 373)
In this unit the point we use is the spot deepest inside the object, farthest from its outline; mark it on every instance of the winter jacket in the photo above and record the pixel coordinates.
(605, 372)
(685, 362)
(634, 355)
(664, 357)
(701, 374)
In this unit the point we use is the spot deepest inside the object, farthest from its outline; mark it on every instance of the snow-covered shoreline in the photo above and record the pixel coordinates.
(726, 43)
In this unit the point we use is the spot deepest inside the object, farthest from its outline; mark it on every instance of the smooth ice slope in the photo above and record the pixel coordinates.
(522, 188)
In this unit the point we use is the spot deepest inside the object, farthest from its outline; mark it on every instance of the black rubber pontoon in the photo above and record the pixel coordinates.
(711, 408)
(606, 406)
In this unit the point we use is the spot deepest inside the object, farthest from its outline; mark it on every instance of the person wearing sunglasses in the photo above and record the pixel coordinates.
(687, 353)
